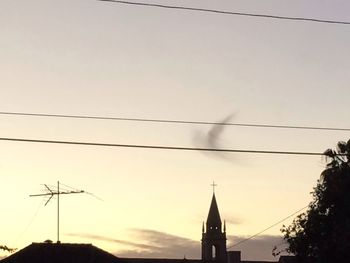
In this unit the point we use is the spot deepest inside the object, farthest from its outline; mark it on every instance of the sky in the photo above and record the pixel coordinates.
(105, 59)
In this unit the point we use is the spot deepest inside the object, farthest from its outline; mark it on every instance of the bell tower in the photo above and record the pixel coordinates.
(213, 235)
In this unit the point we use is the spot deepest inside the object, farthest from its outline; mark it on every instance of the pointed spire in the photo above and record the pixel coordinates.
(203, 227)
(214, 219)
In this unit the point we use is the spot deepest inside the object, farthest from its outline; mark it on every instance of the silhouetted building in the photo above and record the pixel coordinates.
(213, 236)
(213, 249)
(61, 253)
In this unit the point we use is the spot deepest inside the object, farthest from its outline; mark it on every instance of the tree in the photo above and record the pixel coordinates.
(322, 233)
(5, 248)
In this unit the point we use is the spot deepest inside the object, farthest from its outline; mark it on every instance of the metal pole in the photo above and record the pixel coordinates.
(58, 211)
(51, 193)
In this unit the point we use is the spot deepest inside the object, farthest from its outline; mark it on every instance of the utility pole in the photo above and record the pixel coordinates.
(58, 211)
(51, 193)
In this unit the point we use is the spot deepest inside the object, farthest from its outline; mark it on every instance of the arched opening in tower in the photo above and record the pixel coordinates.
(213, 252)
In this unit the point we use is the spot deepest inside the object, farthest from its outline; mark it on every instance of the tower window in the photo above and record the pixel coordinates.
(213, 251)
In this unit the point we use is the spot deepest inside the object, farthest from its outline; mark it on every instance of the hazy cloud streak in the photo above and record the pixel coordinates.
(211, 139)
(232, 220)
(156, 244)
(258, 248)
(119, 241)
(171, 246)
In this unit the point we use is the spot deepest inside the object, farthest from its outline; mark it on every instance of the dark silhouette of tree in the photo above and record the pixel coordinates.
(5, 248)
(322, 233)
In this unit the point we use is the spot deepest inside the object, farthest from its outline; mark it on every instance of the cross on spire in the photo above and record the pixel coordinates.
(213, 185)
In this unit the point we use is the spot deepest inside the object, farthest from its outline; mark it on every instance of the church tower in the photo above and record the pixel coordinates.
(213, 236)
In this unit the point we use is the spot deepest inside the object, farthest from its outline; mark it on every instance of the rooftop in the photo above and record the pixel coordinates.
(61, 252)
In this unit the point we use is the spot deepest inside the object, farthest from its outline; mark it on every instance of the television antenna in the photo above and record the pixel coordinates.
(51, 193)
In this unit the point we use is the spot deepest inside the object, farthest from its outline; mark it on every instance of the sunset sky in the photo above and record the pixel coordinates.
(105, 59)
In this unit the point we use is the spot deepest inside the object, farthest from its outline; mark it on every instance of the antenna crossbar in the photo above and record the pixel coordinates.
(61, 193)
(52, 193)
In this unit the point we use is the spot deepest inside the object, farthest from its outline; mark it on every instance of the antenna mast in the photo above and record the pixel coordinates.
(51, 193)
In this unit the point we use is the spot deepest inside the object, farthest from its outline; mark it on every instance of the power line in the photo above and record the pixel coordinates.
(262, 231)
(228, 12)
(30, 222)
(175, 121)
(161, 147)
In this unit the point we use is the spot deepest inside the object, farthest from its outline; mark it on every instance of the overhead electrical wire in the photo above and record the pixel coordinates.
(159, 147)
(304, 19)
(262, 231)
(175, 121)
(30, 222)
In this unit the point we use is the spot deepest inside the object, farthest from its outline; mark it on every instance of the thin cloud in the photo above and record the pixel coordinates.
(171, 246)
(231, 220)
(113, 240)
(157, 244)
(216, 131)
(258, 248)
(212, 139)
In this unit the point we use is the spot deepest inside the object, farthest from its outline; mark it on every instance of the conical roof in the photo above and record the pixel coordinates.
(214, 215)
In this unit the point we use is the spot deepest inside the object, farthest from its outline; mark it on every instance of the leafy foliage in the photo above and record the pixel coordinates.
(5, 248)
(322, 233)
